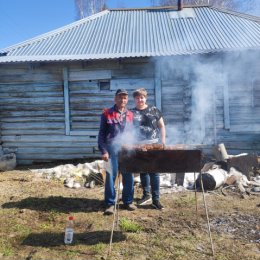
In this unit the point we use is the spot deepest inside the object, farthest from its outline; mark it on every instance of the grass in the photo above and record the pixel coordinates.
(6, 249)
(128, 225)
(33, 221)
(98, 248)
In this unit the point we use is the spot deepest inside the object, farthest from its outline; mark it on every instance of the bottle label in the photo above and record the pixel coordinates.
(68, 235)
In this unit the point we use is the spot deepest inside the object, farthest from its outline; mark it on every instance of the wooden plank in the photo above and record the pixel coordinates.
(66, 145)
(32, 101)
(54, 150)
(30, 95)
(245, 128)
(39, 107)
(44, 113)
(87, 133)
(45, 138)
(132, 84)
(85, 99)
(30, 78)
(76, 75)
(81, 126)
(33, 125)
(84, 85)
(31, 119)
(91, 106)
(84, 120)
(226, 106)
(66, 100)
(40, 157)
(18, 132)
(32, 87)
(158, 86)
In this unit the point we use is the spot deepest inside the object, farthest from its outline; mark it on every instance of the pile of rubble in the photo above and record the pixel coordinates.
(231, 171)
(76, 176)
(240, 172)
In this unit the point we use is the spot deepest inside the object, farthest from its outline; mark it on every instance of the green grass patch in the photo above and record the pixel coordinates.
(98, 248)
(185, 201)
(5, 248)
(128, 225)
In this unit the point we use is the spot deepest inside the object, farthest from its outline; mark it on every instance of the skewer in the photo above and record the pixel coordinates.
(115, 214)
(206, 210)
(195, 186)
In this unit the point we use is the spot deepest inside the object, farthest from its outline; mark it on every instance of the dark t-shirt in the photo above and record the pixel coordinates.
(146, 123)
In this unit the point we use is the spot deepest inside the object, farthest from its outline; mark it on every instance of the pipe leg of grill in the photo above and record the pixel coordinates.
(206, 210)
(115, 214)
(117, 199)
(195, 187)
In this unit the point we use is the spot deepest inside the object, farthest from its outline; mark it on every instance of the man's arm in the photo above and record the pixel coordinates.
(102, 138)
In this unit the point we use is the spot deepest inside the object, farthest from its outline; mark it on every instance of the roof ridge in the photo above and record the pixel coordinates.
(242, 15)
(175, 7)
(54, 32)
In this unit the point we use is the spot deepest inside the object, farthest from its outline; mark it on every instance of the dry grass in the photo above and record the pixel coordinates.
(34, 211)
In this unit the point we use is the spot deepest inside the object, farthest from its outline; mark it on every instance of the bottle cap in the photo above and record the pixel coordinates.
(71, 218)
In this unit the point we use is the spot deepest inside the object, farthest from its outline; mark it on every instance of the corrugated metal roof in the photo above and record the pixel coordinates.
(141, 33)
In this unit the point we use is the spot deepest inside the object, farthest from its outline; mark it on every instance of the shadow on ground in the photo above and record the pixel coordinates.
(88, 238)
(57, 203)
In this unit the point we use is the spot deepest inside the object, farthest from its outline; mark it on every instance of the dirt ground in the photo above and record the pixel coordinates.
(34, 211)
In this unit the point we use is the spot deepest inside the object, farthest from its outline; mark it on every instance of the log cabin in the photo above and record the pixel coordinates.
(200, 65)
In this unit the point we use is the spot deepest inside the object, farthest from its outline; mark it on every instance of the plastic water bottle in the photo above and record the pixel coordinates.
(69, 230)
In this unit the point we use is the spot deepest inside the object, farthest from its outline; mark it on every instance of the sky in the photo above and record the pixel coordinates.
(22, 20)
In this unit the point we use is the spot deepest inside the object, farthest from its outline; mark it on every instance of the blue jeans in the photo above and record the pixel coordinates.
(153, 180)
(127, 179)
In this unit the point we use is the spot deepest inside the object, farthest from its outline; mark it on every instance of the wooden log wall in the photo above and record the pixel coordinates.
(33, 115)
(238, 106)
(32, 108)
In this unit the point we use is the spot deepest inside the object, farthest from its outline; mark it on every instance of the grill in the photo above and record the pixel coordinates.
(157, 158)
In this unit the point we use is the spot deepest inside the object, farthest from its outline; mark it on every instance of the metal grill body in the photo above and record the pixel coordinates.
(161, 161)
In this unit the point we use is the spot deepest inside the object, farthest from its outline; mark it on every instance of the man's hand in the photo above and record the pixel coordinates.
(105, 157)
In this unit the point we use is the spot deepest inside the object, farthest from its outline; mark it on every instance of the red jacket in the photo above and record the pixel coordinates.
(112, 123)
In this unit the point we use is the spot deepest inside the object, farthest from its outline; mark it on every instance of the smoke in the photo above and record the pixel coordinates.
(202, 105)
(190, 98)
(193, 96)
(128, 137)
(207, 97)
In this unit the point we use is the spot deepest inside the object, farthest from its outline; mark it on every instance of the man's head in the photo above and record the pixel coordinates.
(121, 99)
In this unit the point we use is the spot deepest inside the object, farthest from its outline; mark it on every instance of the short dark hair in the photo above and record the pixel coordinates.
(140, 92)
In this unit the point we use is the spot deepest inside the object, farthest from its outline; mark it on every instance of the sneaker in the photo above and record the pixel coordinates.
(130, 207)
(109, 210)
(144, 200)
(157, 205)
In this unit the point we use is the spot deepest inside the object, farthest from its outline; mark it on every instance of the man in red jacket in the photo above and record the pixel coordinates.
(114, 122)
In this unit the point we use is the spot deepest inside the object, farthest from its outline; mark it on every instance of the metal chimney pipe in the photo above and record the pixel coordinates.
(180, 5)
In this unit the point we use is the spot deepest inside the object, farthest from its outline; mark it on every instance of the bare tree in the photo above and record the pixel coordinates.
(238, 5)
(85, 8)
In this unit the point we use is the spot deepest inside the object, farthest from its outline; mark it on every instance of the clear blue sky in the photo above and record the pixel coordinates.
(21, 20)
